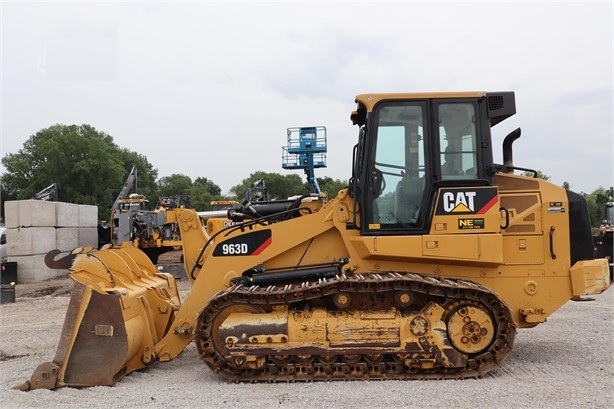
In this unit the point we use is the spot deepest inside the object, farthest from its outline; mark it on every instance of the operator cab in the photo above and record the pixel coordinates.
(412, 144)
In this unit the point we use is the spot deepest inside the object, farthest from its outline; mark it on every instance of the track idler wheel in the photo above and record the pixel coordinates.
(471, 328)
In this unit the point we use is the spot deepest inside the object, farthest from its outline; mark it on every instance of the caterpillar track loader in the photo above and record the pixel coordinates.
(423, 267)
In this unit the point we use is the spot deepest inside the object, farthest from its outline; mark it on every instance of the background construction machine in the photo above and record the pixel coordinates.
(134, 222)
(417, 270)
(222, 204)
(50, 193)
(603, 238)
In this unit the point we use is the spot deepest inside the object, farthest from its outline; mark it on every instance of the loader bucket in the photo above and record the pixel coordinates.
(120, 307)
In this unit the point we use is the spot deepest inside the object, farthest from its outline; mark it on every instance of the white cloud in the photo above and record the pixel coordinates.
(209, 88)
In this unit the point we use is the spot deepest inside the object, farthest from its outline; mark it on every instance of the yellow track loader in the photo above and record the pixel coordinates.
(423, 267)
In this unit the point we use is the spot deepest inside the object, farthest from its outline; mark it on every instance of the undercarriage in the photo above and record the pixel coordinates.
(375, 326)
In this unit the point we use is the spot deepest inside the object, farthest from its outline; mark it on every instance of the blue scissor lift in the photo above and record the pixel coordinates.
(306, 150)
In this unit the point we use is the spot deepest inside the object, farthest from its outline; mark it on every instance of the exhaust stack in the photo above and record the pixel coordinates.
(508, 156)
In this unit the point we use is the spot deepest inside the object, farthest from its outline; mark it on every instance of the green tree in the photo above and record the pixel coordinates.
(86, 164)
(175, 184)
(209, 186)
(596, 204)
(278, 186)
(330, 186)
(202, 192)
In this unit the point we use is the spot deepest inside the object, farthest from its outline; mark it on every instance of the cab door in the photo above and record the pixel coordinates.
(398, 169)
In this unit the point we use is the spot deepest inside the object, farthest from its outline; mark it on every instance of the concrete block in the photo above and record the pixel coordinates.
(11, 214)
(32, 268)
(25, 241)
(36, 213)
(88, 216)
(66, 238)
(88, 236)
(67, 214)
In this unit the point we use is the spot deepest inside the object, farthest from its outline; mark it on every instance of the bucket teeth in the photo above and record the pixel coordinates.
(43, 377)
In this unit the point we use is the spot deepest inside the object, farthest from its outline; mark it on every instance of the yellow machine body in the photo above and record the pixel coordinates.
(324, 290)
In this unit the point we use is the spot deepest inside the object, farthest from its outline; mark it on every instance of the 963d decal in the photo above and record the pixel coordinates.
(249, 244)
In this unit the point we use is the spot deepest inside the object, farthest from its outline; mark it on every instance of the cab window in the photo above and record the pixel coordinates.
(457, 141)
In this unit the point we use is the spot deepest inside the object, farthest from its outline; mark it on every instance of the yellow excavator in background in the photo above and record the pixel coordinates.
(155, 231)
(222, 204)
(423, 267)
(133, 222)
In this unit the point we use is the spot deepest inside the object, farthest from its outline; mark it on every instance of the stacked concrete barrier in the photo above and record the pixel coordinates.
(35, 227)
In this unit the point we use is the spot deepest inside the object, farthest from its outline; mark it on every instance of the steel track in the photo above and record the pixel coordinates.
(346, 366)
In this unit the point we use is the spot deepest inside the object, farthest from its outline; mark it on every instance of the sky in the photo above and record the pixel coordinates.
(209, 89)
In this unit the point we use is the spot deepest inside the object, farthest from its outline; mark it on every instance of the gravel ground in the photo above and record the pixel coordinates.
(567, 362)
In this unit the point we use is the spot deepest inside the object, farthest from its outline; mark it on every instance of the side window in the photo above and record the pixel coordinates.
(457, 141)
(398, 168)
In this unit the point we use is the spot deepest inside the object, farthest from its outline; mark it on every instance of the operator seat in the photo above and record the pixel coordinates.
(409, 193)
(452, 165)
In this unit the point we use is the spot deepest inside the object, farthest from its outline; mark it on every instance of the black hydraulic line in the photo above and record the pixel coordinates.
(281, 277)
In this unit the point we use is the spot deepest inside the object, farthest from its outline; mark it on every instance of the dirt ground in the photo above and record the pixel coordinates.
(563, 363)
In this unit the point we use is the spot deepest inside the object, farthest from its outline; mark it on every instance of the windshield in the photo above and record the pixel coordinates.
(398, 167)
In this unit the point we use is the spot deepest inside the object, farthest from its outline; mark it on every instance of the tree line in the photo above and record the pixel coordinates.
(596, 200)
(90, 168)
